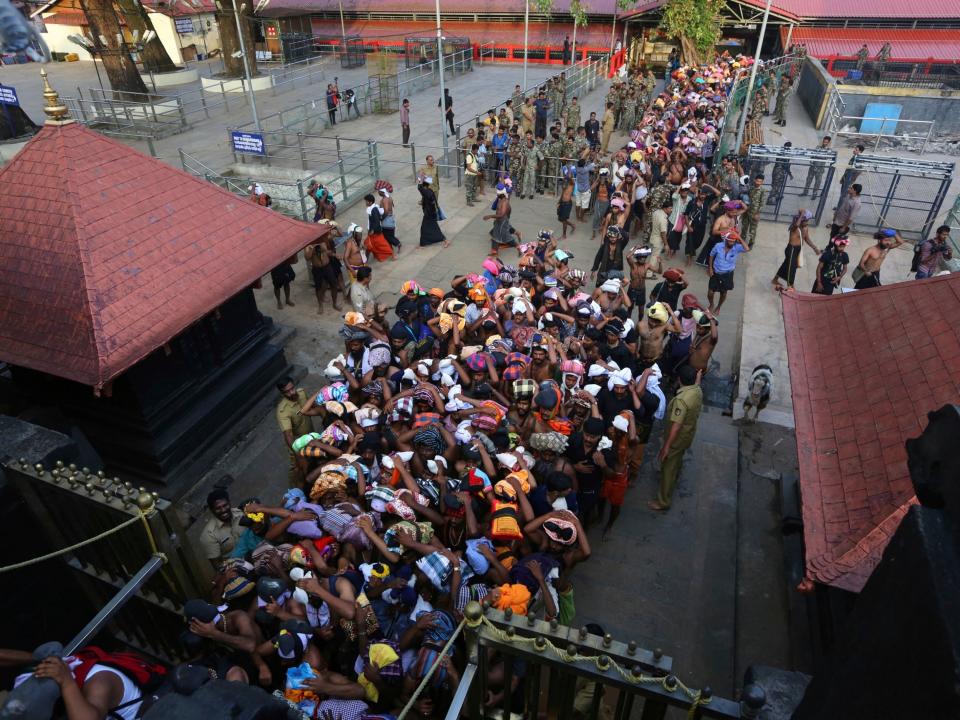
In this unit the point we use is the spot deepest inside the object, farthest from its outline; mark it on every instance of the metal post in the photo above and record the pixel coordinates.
(116, 602)
(153, 151)
(613, 31)
(443, 94)
(246, 65)
(413, 159)
(223, 96)
(303, 152)
(753, 76)
(343, 174)
(303, 200)
(182, 112)
(343, 28)
(573, 48)
(789, 35)
(370, 161)
(526, 35)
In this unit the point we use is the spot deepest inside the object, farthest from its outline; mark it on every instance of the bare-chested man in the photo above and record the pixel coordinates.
(520, 418)
(544, 359)
(703, 343)
(318, 257)
(729, 220)
(869, 268)
(652, 331)
(641, 260)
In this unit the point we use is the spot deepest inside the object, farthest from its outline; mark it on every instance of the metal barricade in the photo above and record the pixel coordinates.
(899, 193)
(112, 528)
(797, 178)
(562, 665)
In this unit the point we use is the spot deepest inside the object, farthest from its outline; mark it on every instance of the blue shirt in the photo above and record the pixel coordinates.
(583, 177)
(725, 259)
(541, 105)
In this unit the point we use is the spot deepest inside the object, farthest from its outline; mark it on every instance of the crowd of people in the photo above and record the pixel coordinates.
(466, 440)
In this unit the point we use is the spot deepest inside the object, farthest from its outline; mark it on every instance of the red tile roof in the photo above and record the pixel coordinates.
(107, 254)
(916, 45)
(816, 9)
(560, 7)
(865, 368)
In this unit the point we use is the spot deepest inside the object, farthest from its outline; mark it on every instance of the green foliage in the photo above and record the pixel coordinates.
(697, 20)
(544, 7)
(626, 4)
(578, 11)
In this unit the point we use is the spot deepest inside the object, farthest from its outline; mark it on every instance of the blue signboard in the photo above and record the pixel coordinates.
(8, 96)
(184, 25)
(248, 143)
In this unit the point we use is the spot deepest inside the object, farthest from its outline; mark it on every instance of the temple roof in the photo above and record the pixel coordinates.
(865, 369)
(107, 254)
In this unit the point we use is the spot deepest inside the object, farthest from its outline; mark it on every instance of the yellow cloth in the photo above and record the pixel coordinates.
(516, 597)
(380, 656)
(446, 322)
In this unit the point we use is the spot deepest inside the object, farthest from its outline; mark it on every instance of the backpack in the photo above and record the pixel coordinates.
(146, 675)
(915, 262)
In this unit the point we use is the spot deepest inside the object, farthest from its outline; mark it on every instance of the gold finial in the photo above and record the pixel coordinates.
(54, 109)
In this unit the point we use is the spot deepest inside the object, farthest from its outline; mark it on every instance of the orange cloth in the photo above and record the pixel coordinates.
(377, 244)
(516, 597)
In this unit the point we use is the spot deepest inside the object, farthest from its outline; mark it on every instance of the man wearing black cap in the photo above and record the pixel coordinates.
(683, 412)
(614, 348)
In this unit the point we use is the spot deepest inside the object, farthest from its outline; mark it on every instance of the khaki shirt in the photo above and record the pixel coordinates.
(608, 119)
(431, 172)
(289, 417)
(217, 539)
(685, 408)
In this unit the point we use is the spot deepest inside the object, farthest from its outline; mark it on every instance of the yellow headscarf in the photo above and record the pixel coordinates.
(380, 656)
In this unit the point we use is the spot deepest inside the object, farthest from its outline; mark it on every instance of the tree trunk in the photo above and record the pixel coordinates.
(689, 52)
(233, 66)
(121, 70)
(154, 55)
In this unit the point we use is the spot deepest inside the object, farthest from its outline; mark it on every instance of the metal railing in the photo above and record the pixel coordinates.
(80, 510)
(840, 124)
(582, 78)
(559, 661)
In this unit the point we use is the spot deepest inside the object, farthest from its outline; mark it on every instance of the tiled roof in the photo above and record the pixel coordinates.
(865, 368)
(905, 44)
(802, 9)
(107, 254)
(561, 8)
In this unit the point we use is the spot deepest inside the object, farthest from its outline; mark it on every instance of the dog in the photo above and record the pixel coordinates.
(761, 386)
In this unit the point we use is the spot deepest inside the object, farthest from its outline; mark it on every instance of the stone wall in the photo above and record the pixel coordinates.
(917, 104)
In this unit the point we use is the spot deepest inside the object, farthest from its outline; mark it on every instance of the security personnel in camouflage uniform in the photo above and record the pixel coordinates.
(649, 84)
(573, 114)
(568, 148)
(783, 99)
(552, 165)
(815, 172)
(760, 100)
(581, 144)
(756, 197)
(518, 100)
(471, 175)
(862, 55)
(544, 147)
(655, 199)
(515, 161)
(612, 98)
(531, 156)
(620, 103)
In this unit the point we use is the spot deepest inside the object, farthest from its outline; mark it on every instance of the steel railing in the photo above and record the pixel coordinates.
(839, 124)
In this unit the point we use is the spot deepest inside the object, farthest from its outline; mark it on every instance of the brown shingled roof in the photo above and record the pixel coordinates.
(865, 369)
(107, 254)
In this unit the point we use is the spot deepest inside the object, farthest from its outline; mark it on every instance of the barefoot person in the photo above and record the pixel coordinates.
(319, 257)
(501, 234)
(565, 204)
(723, 261)
(704, 342)
(867, 274)
(799, 233)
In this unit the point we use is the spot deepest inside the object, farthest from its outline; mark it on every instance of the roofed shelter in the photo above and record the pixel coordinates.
(125, 294)
(865, 370)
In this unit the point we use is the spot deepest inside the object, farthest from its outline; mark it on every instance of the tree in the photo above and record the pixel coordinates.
(697, 25)
(104, 27)
(233, 66)
(154, 55)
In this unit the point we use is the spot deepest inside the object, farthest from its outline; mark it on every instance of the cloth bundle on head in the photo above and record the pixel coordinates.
(524, 389)
(516, 597)
(619, 378)
(658, 311)
(334, 434)
(421, 531)
(303, 441)
(549, 401)
(477, 362)
(673, 275)
(610, 286)
(551, 441)
(340, 409)
(689, 301)
(373, 389)
(338, 391)
(354, 318)
(368, 416)
(431, 438)
(504, 525)
(561, 528)
(436, 568)
(402, 410)
(332, 480)
(571, 367)
(411, 286)
(386, 661)
(379, 355)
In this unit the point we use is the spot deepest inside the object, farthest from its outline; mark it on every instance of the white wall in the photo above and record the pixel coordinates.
(56, 39)
(172, 41)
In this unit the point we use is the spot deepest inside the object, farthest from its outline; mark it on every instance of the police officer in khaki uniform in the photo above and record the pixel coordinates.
(683, 412)
(293, 424)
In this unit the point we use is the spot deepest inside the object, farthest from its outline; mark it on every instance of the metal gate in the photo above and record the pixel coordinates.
(384, 93)
(899, 193)
(128, 527)
(796, 179)
(561, 669)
